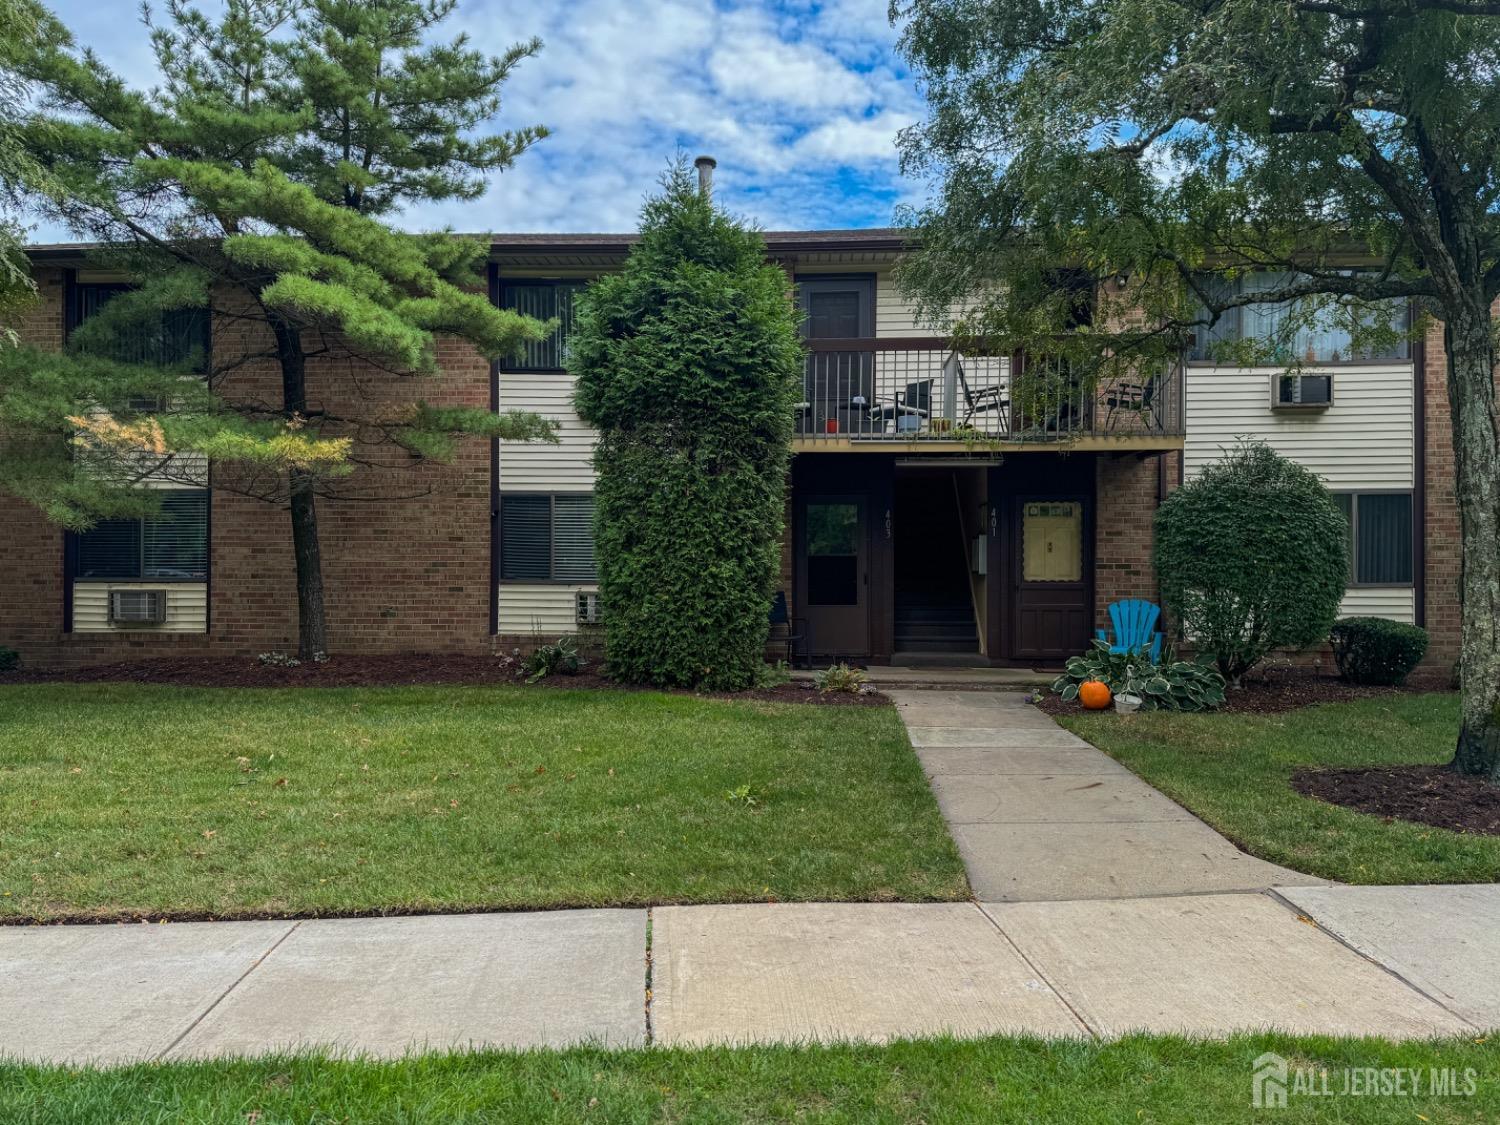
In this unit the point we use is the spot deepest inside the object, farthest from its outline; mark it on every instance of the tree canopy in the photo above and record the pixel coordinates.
(1160, 152)
(256, 179)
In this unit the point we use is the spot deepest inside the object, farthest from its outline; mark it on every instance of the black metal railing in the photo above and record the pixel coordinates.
(914, 389)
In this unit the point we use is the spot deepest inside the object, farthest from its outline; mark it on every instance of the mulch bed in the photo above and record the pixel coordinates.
(1430, 795)
(389, 671)
(1286, 690)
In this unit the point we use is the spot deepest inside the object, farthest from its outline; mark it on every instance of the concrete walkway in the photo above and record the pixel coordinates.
(1038, 813)
(1102, 910)
(1202, 964)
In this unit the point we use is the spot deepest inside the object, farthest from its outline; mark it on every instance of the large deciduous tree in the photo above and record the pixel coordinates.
(255, 179)
(1163, 149)
(689, 363)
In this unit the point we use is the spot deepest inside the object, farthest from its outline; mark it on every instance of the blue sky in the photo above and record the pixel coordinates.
(800, 103)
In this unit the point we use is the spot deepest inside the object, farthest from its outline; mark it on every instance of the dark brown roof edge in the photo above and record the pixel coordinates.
(777, 242)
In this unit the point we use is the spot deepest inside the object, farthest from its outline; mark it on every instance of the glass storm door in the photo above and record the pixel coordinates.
(833, 575)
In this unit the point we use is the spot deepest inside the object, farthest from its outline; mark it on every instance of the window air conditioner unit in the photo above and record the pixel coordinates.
(588, 609)
(1301, 392)
(137, 607)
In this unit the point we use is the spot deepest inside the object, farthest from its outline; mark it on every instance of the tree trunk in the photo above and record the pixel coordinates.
(312, 619)
(1476, 447)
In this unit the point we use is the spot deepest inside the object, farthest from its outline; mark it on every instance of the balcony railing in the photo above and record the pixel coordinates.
(917, 389)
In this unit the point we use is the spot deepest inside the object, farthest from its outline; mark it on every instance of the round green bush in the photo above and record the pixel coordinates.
(1251, 556)
(689, 364)
(1376, 650)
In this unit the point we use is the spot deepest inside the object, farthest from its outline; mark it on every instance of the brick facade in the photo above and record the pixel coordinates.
(407, 573)
(408, 568)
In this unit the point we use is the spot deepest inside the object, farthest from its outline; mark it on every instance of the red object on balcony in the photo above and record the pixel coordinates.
(831, 426)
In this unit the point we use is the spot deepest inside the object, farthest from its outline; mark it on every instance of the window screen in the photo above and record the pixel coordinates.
(1380, 537)
(1327, 339)
(173, 545)
(544, 300)
(525, 538)
(180, 335)
(547, 538)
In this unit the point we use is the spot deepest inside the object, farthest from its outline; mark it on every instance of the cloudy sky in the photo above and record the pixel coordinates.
(800, 103)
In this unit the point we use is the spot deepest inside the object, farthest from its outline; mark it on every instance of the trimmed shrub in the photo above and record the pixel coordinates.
(1376, 650)
(10, 659)
(557, 659)
(840, 678)
(1251, 556)
(1178, 685)
(689, 365)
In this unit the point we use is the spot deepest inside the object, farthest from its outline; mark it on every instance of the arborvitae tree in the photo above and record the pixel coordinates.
(250, 181)
(688, 363)
(1178, 146)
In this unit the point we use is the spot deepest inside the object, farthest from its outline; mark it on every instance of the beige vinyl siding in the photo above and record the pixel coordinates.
(539, 608)
(1364, 441)
(1396, 602)
(894, 315)
(538, 466)
(187, 607)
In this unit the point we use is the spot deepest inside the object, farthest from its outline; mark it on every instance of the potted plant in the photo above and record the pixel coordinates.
(1128, 701)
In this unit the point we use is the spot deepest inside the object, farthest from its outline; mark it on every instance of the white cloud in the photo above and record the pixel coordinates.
(800, 102)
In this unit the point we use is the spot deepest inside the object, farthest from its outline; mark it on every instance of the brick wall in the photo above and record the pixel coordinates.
(1127, 491)
(1440, 530)
(409, 572)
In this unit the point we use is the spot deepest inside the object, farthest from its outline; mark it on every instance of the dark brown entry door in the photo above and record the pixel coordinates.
(1052, 587)
(833, 574)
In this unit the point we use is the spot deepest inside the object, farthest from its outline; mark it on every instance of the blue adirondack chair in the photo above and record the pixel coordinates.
(1135, 628)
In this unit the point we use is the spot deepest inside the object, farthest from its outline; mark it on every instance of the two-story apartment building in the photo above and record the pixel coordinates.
(936, 509)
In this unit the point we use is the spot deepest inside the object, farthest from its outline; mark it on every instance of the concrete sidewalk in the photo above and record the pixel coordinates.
(1102, 910)
(1207, 965)
(1038, 813)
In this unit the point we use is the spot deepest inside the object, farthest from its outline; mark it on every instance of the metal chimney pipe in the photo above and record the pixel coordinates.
(705, 166)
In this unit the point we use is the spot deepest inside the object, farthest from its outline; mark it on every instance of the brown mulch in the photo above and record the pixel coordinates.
(1432, 795)
(388, 671)
(1286, 690)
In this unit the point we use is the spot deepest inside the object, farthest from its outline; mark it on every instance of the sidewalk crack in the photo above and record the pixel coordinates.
(203, 1015)
(1037, 969)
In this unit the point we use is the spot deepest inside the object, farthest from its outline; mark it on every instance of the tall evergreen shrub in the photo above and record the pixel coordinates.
(688, 364)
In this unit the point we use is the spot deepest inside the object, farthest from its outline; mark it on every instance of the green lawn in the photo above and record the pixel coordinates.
(126, 799)
(1234, 771)
(1139, 1079)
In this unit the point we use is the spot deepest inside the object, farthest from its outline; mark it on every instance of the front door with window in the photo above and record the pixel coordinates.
(1052, 594)
(833, 575)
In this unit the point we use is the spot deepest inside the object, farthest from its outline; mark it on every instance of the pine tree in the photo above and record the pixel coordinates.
(689, 364)
(19, 22)
(253, 180)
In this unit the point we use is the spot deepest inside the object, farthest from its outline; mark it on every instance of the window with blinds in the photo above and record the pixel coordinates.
(181, 335)
(547, 537)
(544, 300)
(1380, 537)
(171, 546)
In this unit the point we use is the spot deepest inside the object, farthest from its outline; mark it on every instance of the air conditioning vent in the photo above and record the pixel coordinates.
(1301, 392)
(588, 609)
(137, 607)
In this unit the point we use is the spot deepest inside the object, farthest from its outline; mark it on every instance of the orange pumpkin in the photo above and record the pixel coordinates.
(1094, 695)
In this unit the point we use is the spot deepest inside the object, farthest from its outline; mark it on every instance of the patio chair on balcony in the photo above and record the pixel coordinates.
(908, 409)
(986, 400)
(1133, 398)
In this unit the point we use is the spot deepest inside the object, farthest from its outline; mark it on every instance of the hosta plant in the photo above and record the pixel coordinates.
(1170, 686)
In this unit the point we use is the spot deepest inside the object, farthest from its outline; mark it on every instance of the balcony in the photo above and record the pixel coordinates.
(919, 393)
